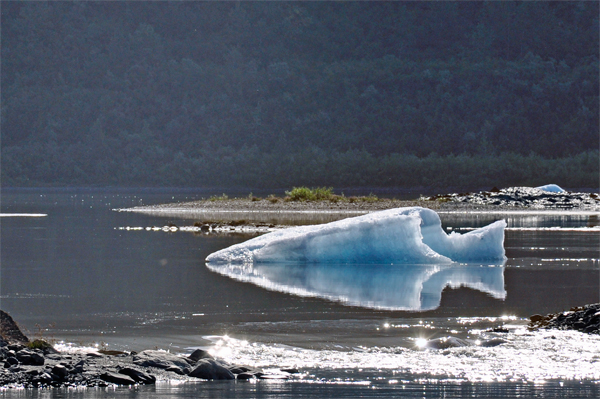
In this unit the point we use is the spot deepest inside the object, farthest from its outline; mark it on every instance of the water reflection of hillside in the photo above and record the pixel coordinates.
(393, 287)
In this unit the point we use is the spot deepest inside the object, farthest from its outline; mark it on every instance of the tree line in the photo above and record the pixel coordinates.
(276, 94)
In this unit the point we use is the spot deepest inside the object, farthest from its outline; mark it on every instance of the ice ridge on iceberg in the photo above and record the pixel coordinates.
(403, 235)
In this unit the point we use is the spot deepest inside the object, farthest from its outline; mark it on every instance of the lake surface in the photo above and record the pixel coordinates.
(85, 275)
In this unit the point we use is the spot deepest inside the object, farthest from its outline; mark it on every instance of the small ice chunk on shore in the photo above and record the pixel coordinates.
(403, 235)
(551, 188)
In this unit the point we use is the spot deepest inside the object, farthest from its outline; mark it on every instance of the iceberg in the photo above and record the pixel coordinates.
(551, 188)
(396, 236)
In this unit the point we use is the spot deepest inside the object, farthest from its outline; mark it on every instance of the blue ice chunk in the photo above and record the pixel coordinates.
(551, 188)
(401, 236)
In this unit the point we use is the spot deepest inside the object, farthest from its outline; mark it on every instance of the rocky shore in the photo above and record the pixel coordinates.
(524, 197)
(584, 318)
(36, 364)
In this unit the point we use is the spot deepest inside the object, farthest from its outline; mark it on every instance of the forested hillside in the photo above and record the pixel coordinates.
(275, 94)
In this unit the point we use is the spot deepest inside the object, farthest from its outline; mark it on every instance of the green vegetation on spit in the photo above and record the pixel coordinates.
(303, 194)
(324, 194)
(310, 194)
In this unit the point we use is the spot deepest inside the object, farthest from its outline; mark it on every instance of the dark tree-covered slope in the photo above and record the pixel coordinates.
(281, 93)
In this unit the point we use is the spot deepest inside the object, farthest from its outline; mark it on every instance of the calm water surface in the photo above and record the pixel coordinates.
(78, 276)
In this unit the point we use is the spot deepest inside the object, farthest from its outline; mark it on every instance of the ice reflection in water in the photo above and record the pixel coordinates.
(380, 286)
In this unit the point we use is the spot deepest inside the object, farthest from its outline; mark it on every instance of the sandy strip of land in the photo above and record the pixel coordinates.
(234, 211)
(264, 205)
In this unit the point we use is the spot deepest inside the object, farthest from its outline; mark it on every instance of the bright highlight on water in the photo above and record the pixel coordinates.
(31, 215)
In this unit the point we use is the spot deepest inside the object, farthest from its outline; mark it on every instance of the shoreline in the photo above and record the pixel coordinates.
(246, 206)
(247, 216)
(281, 206)
(546, 198)
(244, 215)
(31, 364)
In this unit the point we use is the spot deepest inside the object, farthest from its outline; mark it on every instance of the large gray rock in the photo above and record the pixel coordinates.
(159, 359)
(138, 376)
(199, 354)
(238, 369)
(210, 369)
(60, 371)
(119, 379)
(30, 357)
(245, 376)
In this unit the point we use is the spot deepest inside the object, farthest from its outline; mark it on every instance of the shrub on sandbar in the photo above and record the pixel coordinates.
(310, 194)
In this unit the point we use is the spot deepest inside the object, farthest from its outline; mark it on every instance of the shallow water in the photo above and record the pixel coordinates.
(76, 276)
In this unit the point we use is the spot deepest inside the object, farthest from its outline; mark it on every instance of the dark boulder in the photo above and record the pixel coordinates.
(210, 369)
(204, 228)
(119, 379)
(291, 371)
(159, 359)
(237, 369)
(10, 361)
(246, 372)
(138, 376)
(177, 370)
(245, 376)
(30, 358)
(15, 347)
(60, 371)
(199, 354)
(536, 317)
(32, 372)
(43, 378)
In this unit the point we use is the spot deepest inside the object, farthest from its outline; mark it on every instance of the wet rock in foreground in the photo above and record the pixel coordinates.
(584, 318)
(71, 370)
(9, 331)
(37, 365)
(159, 359)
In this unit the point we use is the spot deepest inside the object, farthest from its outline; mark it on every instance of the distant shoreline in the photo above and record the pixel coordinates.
(263, 205)
(518, 199)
